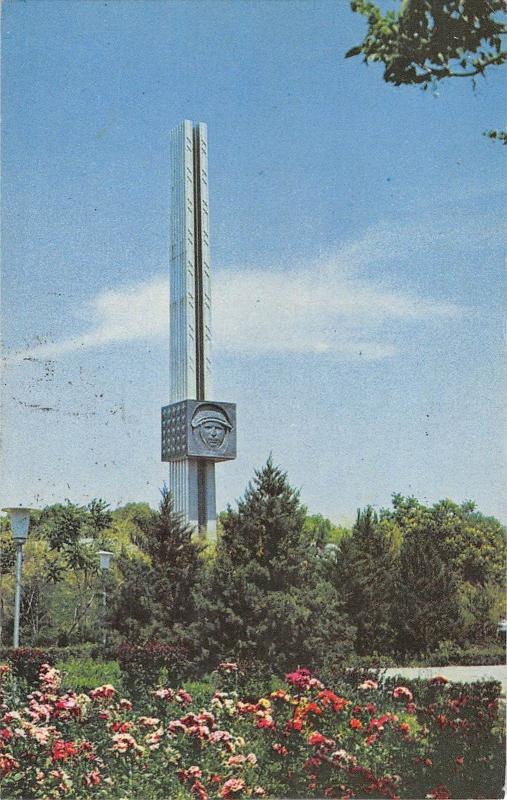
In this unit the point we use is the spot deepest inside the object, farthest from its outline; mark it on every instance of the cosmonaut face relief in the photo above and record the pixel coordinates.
(202, 429)
(211, 424)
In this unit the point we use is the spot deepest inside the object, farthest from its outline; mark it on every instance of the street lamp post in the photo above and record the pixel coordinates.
(20, 521)
(105, 562)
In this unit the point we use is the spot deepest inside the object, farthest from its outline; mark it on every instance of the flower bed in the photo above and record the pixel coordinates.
(430, 739)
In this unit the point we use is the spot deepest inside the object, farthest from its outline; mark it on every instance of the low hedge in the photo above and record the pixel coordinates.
(143, 666)
(449, 654)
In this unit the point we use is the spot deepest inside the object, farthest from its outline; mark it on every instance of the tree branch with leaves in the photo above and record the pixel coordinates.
(426, 41)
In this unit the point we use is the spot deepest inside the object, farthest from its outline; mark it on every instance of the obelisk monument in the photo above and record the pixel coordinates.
(196, 431)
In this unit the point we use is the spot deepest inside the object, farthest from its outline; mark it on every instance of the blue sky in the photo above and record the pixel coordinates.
(356, 247)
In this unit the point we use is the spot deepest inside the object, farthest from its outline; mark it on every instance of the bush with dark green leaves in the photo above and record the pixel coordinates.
(144, 665)
(26, 663)
(249, 677)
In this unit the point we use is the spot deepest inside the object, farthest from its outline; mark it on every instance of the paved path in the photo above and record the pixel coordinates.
(497, 672)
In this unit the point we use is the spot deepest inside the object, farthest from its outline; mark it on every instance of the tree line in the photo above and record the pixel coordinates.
(279, 586)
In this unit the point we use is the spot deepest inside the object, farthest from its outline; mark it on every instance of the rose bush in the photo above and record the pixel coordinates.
(305, 739)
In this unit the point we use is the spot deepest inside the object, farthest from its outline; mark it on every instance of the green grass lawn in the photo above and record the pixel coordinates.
(84, 674)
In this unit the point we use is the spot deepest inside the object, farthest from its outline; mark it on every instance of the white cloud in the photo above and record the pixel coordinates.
(325, 307)
(320, 308)
(117, 315)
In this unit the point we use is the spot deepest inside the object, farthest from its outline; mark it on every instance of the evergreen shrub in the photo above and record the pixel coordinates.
(249, 677)
(271, 596)
(143, 666)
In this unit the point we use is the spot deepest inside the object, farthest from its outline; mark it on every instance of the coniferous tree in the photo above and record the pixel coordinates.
(366, 567)
(156, 597)
(269, 596)
(133, 601)
(426, 602)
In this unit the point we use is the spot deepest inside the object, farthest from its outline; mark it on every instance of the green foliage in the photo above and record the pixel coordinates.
(131, 524)
(155, 595)
(279, 586)
(322, 531)
(64, 525)
(269, 595)
(131, 611)
(448, 653)
(84, 674)
(248, 678)
(428, 40)
(366, 570)
(176, 565)
(7, 549)
(267, 527)
(417, 575)
(495, 135)
(143, 666)
(60, 576)
(100, 516)
(426, 595)
(451, 577)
